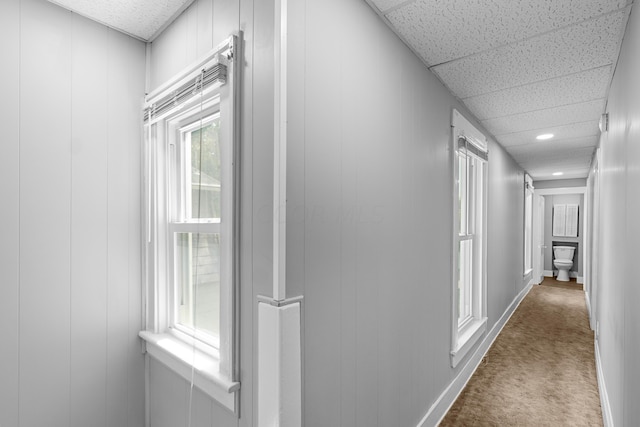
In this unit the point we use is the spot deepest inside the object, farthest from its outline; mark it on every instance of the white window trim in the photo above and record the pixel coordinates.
(528, 191)
(213, 370)
(465, 337)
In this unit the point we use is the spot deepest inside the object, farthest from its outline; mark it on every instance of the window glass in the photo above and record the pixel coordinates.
(198, 283)
(465, 274)
(203, 175)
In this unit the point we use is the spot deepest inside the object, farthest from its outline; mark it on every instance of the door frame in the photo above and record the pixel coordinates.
(583, 229)
(537, 241)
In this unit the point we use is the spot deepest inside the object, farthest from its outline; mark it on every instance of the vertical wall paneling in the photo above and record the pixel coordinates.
(88, 222)
(129, 61)
(617, 290)
(632, 290)
(200, 28)
(69, 256)
(10, 211)
(371, 173)
(123, 116)
(321, 221)
(169, 52)
(204, 28)
(246, 291)
(45, 202)
(225, 19)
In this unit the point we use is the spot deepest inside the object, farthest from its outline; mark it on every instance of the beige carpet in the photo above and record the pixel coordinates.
(540, 371)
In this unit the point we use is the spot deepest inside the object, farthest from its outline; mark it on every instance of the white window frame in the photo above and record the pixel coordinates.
(468, 331)
(210, 363)
(528, 226)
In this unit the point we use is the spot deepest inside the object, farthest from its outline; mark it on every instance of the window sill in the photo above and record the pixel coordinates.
(181, 358)
(467, 339)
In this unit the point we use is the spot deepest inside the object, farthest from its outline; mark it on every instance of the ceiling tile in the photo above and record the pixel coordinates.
(558, 154)
(441, 31)
(570, 50)
(547, 118)
(140, 18)
(584, 86)
(546, 174)
(385, 5)
(574, 130)
(521, 151)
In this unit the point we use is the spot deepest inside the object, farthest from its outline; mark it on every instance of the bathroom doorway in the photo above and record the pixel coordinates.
(544, 201)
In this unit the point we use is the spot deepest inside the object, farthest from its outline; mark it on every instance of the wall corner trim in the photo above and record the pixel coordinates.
(448, 397)
(279, 365)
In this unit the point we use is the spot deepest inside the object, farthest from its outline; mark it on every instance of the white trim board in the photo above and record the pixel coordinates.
(448, 397)
(588, 303)
(607, 417)
(572, 274)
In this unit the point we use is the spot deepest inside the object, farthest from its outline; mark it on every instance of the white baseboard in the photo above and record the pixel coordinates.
(607, 417)
(448, 397)
(572, 274)
(588, 302)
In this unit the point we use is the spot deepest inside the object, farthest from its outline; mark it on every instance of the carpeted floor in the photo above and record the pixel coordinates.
(540, 371)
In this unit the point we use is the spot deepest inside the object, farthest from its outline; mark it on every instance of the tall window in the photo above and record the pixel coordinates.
(191, 232)
(195, 232)
(528, 224)
(470, 195)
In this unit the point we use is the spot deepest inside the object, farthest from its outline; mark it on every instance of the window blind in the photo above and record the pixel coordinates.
(217, 73)
(468, 145)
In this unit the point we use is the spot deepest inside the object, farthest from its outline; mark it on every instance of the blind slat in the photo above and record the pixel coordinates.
(214, 74)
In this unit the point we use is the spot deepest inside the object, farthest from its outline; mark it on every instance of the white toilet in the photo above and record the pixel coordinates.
(563, 261)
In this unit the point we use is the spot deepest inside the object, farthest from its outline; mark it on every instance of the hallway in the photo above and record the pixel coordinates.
(377, 213)
(541, 369)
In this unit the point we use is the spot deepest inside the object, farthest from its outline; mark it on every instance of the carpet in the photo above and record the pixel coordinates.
(540, 371)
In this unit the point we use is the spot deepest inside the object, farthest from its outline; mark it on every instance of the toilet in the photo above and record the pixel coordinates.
(563, 261)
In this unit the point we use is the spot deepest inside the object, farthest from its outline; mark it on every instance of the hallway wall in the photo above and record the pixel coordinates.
(199, 29)
(70, 250)
(618, 292)
(370, 217)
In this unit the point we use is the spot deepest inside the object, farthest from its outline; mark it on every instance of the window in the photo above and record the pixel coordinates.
(528, 224)
(469, 260)
(191, 232)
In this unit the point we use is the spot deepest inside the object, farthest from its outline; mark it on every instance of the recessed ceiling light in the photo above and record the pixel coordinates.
(544, 136)
(556, 173)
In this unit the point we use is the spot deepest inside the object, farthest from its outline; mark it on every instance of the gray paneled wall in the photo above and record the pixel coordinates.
(203, 26)
(70, 252)
(370, 196)
(370, 219)
(617, 288)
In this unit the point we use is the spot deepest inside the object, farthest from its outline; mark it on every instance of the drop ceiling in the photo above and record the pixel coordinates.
(143, 19)
(523, 68)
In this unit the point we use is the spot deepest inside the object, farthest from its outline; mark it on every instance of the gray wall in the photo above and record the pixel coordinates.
(202, 27)
(618, 292)
(369, 214)
(370, 219)
(70, 249)
(549, 201)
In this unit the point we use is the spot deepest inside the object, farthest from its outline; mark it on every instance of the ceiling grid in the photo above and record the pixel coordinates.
(523, 68)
